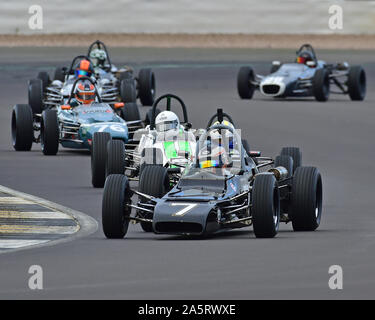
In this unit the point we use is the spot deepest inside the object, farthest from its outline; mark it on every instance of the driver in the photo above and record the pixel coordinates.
(84, 68)
(84, 94)
(166, 121)
(98, 57)
(304, 57)
(213, 155)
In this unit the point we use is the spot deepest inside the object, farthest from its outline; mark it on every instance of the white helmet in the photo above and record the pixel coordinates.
(98, 56)
(166, 120)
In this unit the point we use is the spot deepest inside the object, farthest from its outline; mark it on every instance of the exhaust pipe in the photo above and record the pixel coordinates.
(280, 173)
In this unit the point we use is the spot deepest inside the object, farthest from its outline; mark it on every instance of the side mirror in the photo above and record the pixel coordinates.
(119, 105)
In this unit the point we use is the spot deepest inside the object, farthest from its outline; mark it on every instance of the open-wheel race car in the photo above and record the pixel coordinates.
(165, 141)
(306, 77)
(225, 187)
(71, 123)
(114, 85)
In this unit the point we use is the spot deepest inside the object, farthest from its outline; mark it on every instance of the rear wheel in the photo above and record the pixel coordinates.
(146, 87)
(306, 199)
(130, 112)
(116, 196)
(115, 157)
(45, 79)
(128, 91)
(286, 162)
(321, 85)
(49, 133)
(295, 153)
(265, 206)
(59, 74)
(245, 87)
(35, 92)
(357, 83)
(22, 127)
(153, 181)
(98, 158)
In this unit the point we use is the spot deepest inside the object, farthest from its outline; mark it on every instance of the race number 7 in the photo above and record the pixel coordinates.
(185, 210)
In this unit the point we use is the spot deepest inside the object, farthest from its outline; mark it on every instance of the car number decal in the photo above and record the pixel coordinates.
(114, 127)
(182, 212)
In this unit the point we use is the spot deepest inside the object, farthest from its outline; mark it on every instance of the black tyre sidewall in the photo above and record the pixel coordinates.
(22, 127)
(49, 133)
(320, 85)
(306, 196)
(265, 204)
(99, 158)
(357, 83)
(115, 163)
(244, 88)
(35, 93)
(128, 91)
(115, 197)
(296, 155)
(130, 112)
(146, 87)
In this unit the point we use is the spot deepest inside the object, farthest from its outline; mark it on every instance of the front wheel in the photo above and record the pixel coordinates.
(98, 158)
(115, 210)
(357, 83)
(321, 85)
(128, 91)
(130, 112)
(153, 181)
(306, 199)
(115, 157)
(245, 86)
(146, 87)
(35, 95)
(22, 127)
(49, 133)
(265, 206)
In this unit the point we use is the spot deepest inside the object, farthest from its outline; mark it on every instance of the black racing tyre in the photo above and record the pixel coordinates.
(116, 196)
(321, 85)
(115, 163)
(306, 199)
(286, 162)
(265, 206)
(274, 68)
(357, 83)
(126, 75)
(22, 127)
(45, 79)
(35, 93)
(146, 87)
(296, 155)
(59, 74)
(49, 132)
(99, 158)
(149, 116)
(130, 112)
(244, 86)
(128, 91)
(153, 181)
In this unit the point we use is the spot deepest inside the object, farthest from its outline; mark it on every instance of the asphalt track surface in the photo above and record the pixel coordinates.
(336, 136)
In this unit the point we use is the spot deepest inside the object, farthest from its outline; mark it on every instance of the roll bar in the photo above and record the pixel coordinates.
(169, 97)
(100, 45)
(75, 84)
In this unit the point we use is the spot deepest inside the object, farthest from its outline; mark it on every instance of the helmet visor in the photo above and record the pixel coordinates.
(79, 73)
(166, 125)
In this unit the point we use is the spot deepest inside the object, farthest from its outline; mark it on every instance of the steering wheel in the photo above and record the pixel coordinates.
(220, 116)
(100, 45)
(169, 98)
(75, 84)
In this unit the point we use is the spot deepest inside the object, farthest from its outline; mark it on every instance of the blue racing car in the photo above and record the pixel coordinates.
(71, 124)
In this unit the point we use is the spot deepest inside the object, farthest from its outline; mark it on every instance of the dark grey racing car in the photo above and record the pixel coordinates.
(225, 188)
(307, 76)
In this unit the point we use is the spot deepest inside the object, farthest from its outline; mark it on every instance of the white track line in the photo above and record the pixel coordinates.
(86, 225)
(15, 244)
